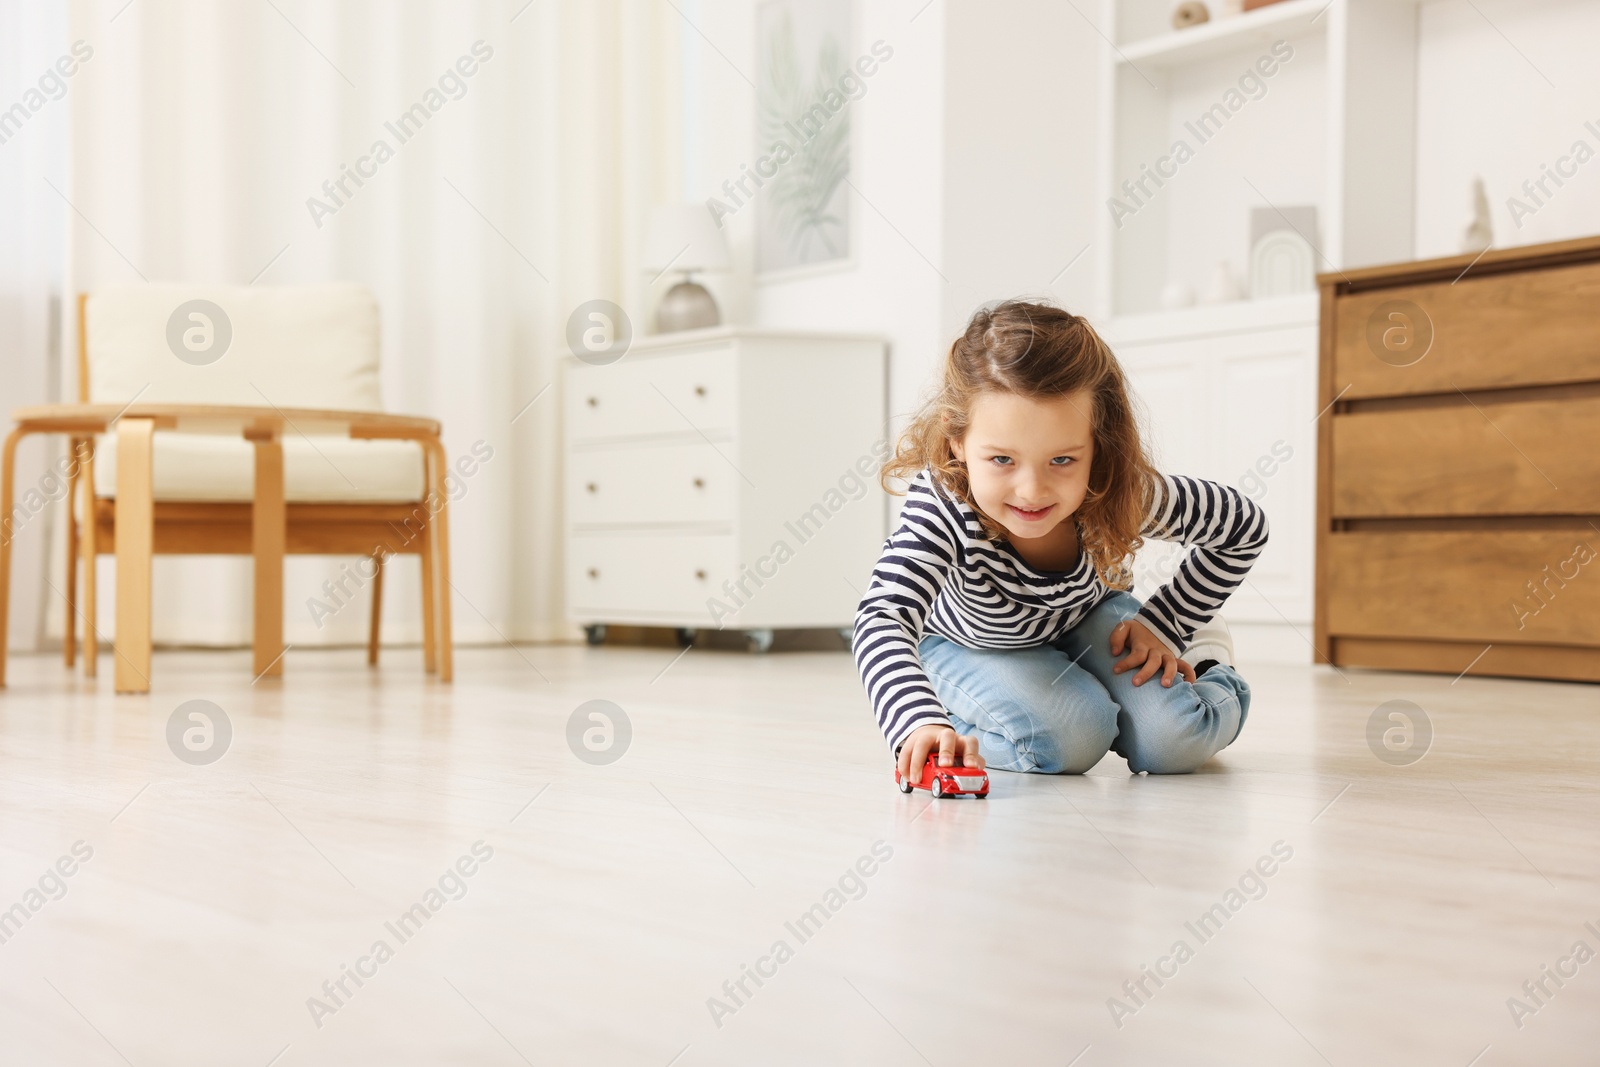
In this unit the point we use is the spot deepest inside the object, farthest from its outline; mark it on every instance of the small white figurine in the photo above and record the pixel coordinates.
(1480, 232)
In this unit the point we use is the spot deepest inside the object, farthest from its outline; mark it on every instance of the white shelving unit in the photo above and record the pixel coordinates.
(1331, 126)
(1309, 103)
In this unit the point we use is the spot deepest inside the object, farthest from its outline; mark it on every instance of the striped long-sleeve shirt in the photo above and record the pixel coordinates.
(939, 574)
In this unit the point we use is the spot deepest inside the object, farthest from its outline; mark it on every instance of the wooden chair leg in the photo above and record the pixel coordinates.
(89, 544)
(7, 471)
(135, 545)
(268, 531)
(429, 662)
(69, 627)
(441, 548)
(377, 608)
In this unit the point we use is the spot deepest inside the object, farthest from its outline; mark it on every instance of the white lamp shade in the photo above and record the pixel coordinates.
(684, 237)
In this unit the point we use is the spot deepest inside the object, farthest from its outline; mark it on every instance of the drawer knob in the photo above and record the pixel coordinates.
(594, 401)
(700, 574)
(699, 483)
(699, 390)
(593, 488)
(594, 572)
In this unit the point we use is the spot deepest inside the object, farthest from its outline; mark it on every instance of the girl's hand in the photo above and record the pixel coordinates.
(950, 745)
(1146, 648)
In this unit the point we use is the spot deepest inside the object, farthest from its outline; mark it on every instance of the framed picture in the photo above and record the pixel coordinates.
(803, 126)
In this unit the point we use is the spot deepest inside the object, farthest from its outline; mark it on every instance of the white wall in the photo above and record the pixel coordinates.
(1019, 155)
(894, 287)
(973, 161)
(1485, 107)
(891, 286)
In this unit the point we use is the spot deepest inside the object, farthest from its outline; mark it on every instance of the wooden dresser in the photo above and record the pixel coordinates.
(1458, 470)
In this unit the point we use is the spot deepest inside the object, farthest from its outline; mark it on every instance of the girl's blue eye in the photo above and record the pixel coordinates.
(1004, 461)
(1060, 461)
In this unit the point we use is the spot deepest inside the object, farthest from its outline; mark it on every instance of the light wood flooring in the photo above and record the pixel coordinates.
(620, 898)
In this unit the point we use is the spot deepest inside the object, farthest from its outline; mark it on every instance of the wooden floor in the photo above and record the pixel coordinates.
(618, 899)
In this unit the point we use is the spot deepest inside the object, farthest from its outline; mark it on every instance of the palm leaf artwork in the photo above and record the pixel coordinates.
(808, 212)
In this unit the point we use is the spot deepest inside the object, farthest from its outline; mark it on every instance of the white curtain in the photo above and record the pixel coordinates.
(34, 119)
(200, 130)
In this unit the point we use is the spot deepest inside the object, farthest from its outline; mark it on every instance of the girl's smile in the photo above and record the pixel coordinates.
(1031, 514)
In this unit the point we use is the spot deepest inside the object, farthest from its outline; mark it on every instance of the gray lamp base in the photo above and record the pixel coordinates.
(687, 306)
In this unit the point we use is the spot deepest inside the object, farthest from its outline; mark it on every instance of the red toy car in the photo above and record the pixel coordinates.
(954, 781)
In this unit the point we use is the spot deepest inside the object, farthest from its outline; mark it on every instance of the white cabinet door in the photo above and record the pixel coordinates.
(1264, 397)
(1238, 409)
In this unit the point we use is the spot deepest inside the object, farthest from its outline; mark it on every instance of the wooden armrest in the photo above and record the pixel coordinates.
(226, 419)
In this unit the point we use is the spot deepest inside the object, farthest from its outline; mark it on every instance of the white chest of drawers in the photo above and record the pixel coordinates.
(725, 478)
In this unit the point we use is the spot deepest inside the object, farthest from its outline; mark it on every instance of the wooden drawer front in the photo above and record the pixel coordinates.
(1535, 457)
(1488, 331)
(1470, 586)
(690, 393)
(642, 575)
(1567, 662)
(651, 484)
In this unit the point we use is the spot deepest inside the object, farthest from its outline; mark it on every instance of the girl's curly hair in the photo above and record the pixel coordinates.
(1037, 350)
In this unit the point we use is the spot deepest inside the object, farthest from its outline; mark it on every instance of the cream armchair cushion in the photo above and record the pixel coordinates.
(312, 346)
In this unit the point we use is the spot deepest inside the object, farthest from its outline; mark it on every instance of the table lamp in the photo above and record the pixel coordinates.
(683, 237)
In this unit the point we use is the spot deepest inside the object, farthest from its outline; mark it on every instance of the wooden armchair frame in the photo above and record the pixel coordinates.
(267, 529)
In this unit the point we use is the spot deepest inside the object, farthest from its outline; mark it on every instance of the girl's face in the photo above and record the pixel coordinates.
(1028, 459)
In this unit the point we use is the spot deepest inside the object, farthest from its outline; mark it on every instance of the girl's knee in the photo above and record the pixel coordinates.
(1074, 732)
(1168, 743)
(1167, 754)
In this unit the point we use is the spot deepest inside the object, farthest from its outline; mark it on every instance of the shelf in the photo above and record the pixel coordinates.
(1220, 37)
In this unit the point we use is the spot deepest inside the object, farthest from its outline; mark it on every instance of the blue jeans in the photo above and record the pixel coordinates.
(1058, 708)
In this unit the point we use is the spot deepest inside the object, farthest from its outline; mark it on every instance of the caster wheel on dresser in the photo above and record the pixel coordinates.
(595, 633)
(758, 640)
(686, 636)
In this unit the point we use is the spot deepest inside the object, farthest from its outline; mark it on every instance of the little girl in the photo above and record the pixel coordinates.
(991, 629)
